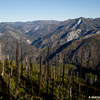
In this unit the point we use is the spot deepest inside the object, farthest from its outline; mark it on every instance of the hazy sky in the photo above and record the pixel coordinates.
(30, 10)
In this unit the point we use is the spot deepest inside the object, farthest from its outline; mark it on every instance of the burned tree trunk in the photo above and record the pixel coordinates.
(45, 71)
(79, 92)
(2, 69)
(55, 74)
(30, 69)
(52, 90)
(63, 74)
(26, 62)
(48, 64)
(11, 69)
(40, 74)
(80, 65)
(9, 84)
(48, 69)
(70, 93)
(21, 62)
(21, 69)
(17, 64)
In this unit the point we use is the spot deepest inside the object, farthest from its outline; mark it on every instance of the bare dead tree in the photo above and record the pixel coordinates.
(48, 69)
(9, 83)
(55, 74)
(40, 74)
(70, 93)
(2, 69)
(52, 90)
(30, 68)
(26, 62)
(45, 71)
(21, 61)
(48, 64)
(79, 92)
(80, 65)
(11, 69)
(63, 74)
(17, 63)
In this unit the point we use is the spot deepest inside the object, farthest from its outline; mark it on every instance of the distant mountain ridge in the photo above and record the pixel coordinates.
(57, 32)
(67, 31)
(37, 35)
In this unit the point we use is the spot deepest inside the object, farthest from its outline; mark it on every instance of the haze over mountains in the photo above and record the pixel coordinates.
(83, 33)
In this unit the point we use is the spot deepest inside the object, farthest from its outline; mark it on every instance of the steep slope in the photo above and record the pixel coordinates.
(69, 30)
(10, 32)
(84, 52)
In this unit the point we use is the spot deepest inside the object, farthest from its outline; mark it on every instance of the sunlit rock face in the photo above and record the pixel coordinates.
(28, 41)
(73, 35)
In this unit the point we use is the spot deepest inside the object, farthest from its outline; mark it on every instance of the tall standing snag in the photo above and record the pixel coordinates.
(26, 62)
(45, 71)
(63, 70)
(55, 74)
(21, 61)
(17, 64)
(9, 83)
(3, 69)
(40, 74)
(30, 69)
(11, 69)
(48, 69)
